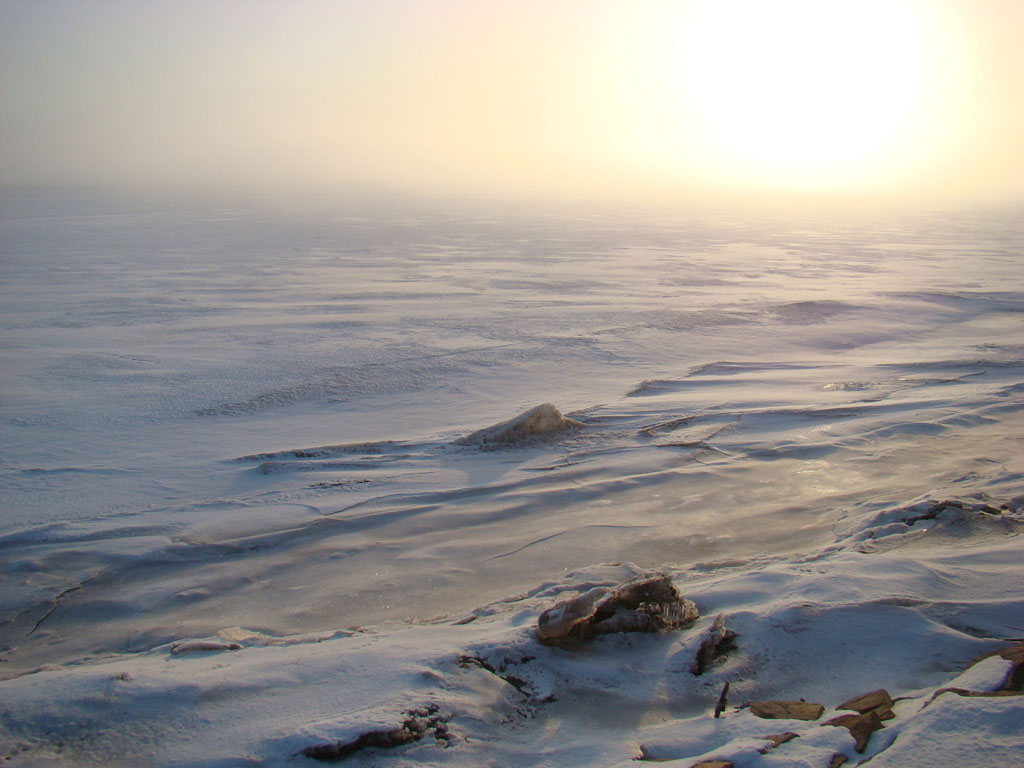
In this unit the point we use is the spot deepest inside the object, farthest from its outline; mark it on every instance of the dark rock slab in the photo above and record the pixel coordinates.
(837, 760)
(786, 710)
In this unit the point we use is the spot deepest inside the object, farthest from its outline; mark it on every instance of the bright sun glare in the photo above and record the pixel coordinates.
(803, 91)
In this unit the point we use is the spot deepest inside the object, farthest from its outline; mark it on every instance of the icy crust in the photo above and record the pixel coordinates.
(481, 688)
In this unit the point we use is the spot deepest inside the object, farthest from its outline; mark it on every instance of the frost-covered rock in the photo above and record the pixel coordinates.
(646, 605)
(559, 622)
(714, 647)
(543, 420)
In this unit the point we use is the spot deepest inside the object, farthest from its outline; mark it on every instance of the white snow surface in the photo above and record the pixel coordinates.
(252, 501)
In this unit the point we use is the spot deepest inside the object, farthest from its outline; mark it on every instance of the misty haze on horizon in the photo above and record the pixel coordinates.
(908, 103)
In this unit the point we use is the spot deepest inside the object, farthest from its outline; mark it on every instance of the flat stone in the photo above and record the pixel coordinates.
(786, 710)
(860, 726)
(713, 764)
(878, 701)
(837, 760)
(776, 739)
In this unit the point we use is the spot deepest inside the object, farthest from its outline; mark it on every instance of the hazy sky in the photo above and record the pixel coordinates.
(566, 97)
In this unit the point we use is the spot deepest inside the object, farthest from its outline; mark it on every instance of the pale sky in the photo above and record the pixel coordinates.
(576, 98)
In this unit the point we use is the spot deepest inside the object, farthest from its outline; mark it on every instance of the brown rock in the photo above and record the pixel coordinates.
(778, 738)
(878, 701)
(712, 764)
(860, 726)
(837, 760)
(786, 710)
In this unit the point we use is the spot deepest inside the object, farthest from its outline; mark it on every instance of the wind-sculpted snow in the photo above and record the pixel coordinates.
(823, 627)
(681, 477)
(251, 494)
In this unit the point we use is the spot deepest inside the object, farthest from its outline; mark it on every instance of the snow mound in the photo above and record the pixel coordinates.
(543, 420)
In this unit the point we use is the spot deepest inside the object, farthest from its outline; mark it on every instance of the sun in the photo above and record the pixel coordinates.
(802, 91)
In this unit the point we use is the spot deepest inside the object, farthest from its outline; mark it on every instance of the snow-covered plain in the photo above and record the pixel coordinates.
(264, 425)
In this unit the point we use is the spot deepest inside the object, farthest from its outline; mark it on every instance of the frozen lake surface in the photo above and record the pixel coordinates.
(248, 414)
